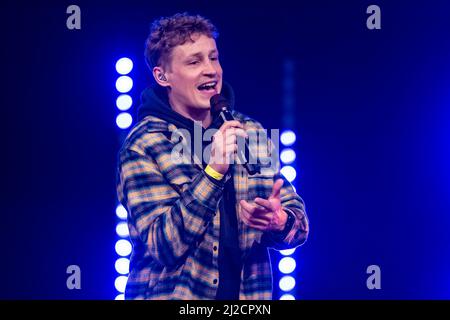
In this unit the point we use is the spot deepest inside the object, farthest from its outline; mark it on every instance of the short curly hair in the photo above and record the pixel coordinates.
(169, 32)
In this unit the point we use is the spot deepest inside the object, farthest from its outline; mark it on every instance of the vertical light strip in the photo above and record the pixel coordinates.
(124, 84)
(287, 263)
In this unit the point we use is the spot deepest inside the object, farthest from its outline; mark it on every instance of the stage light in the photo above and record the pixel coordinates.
(120, 297)
(120, 283)
(287, 156)
(123, 247)
(124, 84)
(287, 252)
(287, 265)
(121, 212)
(124, 65)
(287, 283)
(124, 102)
(287, 138)
(122, 265)
(287, 296)
(124, 120)
(289, 173)
(122, 229)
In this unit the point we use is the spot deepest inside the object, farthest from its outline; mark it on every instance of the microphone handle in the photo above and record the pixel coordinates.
(244, 154)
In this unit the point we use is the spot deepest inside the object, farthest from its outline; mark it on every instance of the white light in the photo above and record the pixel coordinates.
(287, 283)
(287, 138)
(287, 252)
(287, 155)
(123, 247)
(287, 265)
(124, 65)
(120, 297)
(124, 84)
(289, 173)
(122, 229)
(122, 265)
(287, 297)
(124, 120)
(121, 212)
(121, 283)
(124, 102)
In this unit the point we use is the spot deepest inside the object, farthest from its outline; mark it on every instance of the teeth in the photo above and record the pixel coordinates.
(208, 85)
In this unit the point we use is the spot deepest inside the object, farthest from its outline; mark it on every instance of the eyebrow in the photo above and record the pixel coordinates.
(199, 54)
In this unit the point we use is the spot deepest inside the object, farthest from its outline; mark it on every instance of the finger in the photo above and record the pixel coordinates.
(230, 124)
(258, 227)
(230, 149)
(276, 188)
(259, 222)
(235, 132)
(248, 218)
(247, 206)
(261, 213)
(265, 215)
(232, 139)
(229, 131)
(266, 204)
(256, 222)
(241, 133)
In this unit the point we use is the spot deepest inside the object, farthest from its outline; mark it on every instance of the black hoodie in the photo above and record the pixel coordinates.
(156, 103)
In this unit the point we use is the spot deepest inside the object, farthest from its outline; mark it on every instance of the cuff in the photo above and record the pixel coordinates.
(287, 227)
(206, 191)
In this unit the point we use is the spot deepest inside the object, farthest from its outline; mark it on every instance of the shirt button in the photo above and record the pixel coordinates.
(215, 281)
(215, 248)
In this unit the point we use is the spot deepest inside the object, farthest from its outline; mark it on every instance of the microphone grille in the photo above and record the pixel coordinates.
(217, 102)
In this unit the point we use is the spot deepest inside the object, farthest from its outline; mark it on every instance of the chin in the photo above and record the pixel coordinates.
(204, 104)
(204, 107)
(201, 106)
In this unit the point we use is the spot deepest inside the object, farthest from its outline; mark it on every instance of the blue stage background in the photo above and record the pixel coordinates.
(372, 114)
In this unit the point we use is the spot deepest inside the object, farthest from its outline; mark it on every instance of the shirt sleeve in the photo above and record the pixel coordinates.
(168, 223)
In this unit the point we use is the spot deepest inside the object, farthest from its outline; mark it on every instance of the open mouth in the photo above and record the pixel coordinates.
(208, 86)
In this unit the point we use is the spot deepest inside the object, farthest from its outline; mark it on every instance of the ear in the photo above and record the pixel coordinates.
(160, 77)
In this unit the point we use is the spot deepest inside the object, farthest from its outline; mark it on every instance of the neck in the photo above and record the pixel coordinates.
(202, 115)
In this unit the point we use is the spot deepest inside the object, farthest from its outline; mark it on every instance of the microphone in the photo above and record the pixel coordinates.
(220, 104)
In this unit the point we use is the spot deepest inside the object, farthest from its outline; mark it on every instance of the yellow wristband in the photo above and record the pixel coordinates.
(213, 173)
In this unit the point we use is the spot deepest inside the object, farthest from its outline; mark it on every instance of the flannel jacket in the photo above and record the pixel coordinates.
(173, 218)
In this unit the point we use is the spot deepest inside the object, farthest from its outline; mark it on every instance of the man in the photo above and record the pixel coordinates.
(200, 230)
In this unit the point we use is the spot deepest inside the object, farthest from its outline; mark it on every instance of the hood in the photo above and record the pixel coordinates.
(155, 102)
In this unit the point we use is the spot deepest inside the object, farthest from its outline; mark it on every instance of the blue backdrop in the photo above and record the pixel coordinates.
(372, 110)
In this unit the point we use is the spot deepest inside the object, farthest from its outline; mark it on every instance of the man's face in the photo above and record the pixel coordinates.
(194, 74)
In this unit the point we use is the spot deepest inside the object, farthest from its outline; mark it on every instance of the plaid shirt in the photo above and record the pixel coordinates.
(173, 218)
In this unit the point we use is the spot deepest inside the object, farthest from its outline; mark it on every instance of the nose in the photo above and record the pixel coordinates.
(210, 69)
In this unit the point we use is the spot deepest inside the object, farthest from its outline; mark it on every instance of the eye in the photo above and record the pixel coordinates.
(214, 58)
(194, 62)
